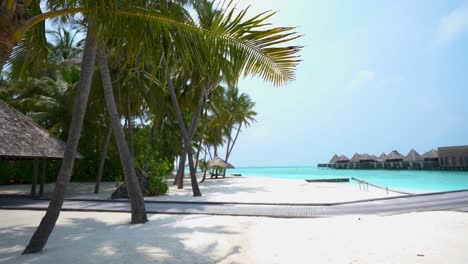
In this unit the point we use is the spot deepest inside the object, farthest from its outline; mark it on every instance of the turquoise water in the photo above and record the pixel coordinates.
(404, 180)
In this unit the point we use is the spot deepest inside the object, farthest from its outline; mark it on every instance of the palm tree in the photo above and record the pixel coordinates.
(42, 233)
(47, 100)
(257, 50)
(126, 158)
(66, 49)
(239, 111)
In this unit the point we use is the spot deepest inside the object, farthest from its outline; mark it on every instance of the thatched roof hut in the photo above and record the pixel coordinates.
(394, 156)
(218, 162)
(431, 155)
(413, 155)
(355, 157)
(22, 138)
(342, 159)
(367, 158)
(334, 159)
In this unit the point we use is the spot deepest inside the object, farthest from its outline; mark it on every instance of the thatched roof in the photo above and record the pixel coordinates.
(334, 159)
(413, 155)
(394, 155)
(431, 154)
(367, 157)
(382, 156)
(21, 138)
(218, 162)
(342, 158)
(355, 157)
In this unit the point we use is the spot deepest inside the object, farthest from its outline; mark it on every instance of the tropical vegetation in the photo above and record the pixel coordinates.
(135, 85)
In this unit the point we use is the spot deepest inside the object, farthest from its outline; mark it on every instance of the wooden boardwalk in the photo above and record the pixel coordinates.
(453, 201)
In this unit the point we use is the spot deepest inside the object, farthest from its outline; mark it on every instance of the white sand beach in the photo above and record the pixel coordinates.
(233, 189)
(86, 237)
(432, 237)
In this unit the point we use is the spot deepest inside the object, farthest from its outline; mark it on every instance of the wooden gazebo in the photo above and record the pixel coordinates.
(23, 139)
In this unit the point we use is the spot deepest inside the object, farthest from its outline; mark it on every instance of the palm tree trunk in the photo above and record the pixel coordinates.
(179, 179)
(209, 152)
(204, 170)
(130, 126)
(133, 186)
(234, 141)
(185, 135)
(202, 137)
(42, 233)
(154, 127)
(228, 143)
(103, 157)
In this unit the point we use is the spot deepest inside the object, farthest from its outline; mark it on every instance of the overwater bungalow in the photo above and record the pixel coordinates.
(382, 156)
(447, 158)
(343, 159)
(367, 158)
(355, 157)
(431, 155)
(394, 156)
(413, 155)
(334, 159)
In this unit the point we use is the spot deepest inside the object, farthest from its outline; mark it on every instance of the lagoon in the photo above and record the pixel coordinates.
(403, 180)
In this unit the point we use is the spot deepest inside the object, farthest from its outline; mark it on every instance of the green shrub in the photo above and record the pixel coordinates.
(156, 168)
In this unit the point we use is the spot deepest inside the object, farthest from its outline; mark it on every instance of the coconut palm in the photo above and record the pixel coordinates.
(239, 112)
(133, 186)
(42, 233)
(248, 45)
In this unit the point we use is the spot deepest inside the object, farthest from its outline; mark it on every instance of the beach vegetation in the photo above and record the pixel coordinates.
(133, 84)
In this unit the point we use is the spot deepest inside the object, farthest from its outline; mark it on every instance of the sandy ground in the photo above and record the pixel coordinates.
(234, 189)
(431, 237)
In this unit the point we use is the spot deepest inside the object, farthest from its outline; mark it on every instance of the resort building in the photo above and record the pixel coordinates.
(445, 158)
(453, 157)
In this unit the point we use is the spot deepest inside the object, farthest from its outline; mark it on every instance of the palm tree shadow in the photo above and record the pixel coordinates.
(162, 240)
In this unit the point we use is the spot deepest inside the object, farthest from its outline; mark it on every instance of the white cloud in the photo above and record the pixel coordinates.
(453, 25)
(361, 78)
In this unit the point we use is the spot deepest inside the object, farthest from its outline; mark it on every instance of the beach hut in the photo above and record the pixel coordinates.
(218, 164)
(23, 139)
(334, 159)
(413, 155)
(394, 156)
(342, 159)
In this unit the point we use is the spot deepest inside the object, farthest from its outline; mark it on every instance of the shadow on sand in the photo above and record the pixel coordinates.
(162, 240)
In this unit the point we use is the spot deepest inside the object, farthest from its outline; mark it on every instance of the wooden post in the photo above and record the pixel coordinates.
(34, 177)
(43, 177)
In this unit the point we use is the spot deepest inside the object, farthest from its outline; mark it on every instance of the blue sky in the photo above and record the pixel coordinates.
(376, 76)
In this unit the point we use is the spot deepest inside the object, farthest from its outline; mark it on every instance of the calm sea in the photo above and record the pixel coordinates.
(405, 180)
